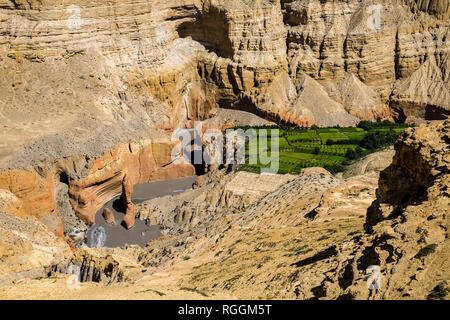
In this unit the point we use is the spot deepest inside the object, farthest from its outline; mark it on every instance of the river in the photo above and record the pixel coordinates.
(102, 234)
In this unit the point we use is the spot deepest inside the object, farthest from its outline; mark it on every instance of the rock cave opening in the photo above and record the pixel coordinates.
(436, 113)
(109, 229)
(73, 226)
(212, 30)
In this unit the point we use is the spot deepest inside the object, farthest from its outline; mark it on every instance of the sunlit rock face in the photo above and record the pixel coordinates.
(84, 80)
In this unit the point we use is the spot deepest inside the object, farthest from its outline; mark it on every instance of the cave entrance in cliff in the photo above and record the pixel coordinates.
(244, 103)
(64, 178)
(436, 113)
(193, 152)
(211, 29)
(73, 227)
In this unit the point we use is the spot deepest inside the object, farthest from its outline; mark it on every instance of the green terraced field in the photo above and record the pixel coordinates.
(330, 148)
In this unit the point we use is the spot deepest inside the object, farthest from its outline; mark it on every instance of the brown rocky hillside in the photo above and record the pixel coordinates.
(311, 236)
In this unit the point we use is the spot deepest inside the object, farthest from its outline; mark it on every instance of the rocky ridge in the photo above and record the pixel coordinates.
(310, 237)
(81, 82)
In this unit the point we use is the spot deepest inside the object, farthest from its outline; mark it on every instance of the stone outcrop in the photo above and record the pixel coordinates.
(406, 227)
(250, 236)
(33, 193)
(197, 183)
(107, 266)
(420, 171)
(439, 8)
(27, 247)
(27, 193)
(140, 162)
(406, 231)
(359, 100)
(165, 69)
(127, 203)
(130, 217)
(422, 96)
(373, 163)
(109, 216)
(220, 193)
(85, 86)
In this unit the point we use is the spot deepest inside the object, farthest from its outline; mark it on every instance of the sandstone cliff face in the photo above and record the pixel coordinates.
(418, 175)
(162, 50)
(139, 162)
(423, 95)
(91, 183)
(79, 82)
(301, 238)
(327, 39)
(28, 249)
(406, 226)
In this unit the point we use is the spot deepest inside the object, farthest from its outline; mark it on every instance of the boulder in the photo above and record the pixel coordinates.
(109, 216)
(197, 183)
(130, 217)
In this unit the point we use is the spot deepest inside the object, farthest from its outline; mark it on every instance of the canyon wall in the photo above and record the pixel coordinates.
(91, 183)
(85, 85)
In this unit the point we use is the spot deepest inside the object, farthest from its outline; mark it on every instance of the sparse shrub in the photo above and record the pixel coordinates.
(324, 237)
(293, 276)
(350, 154)
(439, 292)
(195, 290)
(429, 249)
(316, 150)
(229, 283)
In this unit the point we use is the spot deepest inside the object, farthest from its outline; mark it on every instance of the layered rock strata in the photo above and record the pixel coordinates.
(109, 216)
(80, 81)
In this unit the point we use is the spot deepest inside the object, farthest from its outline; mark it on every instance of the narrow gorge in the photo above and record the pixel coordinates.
(91, 93)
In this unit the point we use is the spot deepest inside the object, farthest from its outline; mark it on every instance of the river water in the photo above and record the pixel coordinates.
(102, 234)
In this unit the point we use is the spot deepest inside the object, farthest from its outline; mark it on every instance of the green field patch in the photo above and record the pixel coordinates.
(329, 148)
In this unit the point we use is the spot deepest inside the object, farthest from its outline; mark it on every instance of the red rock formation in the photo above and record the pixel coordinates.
(197, 183)
(127, 191)
(130, 218)
(69, 242)
(109, 216)
(143, 162)
(36, 195)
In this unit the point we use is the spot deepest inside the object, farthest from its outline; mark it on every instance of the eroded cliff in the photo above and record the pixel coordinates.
(84, 82)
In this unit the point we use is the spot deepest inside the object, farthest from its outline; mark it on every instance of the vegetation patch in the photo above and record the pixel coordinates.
(329, 148)
(439, 292)
(159, 293)
(230, 282)
(429, 249)
(195, 290)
